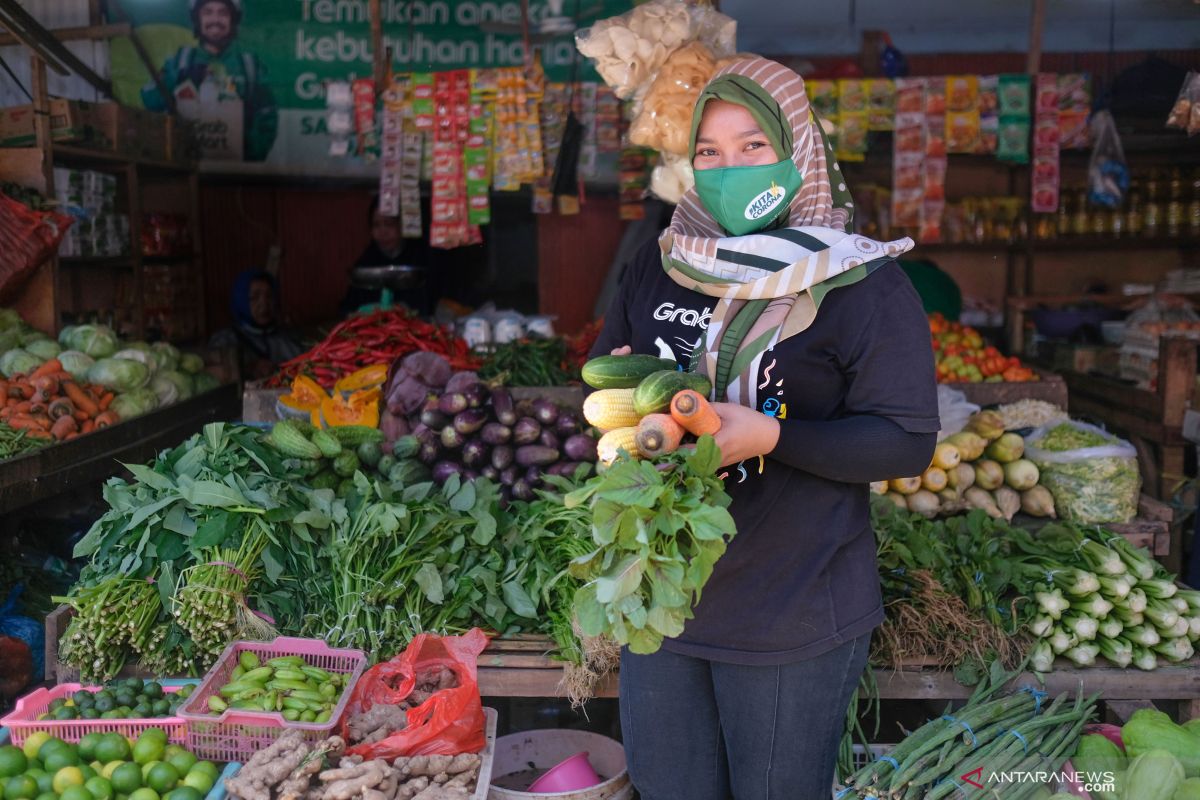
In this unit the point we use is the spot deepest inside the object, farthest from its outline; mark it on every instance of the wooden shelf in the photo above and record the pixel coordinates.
(74, 154)
(117, 262)
(62, 467)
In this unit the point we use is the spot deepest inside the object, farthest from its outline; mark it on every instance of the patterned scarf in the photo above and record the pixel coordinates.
(769, 284)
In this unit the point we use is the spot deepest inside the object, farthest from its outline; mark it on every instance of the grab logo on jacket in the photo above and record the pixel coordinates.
(668, 312)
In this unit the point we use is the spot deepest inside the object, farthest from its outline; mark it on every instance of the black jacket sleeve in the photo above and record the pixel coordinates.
(855, 449)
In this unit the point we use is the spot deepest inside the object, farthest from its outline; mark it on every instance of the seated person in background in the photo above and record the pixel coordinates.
(260, 344)
(389, 247)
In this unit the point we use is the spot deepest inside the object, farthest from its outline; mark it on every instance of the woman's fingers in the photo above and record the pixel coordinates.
(622, 351)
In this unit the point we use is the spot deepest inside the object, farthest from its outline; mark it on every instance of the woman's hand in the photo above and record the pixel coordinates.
(623, 350)
(745, 433)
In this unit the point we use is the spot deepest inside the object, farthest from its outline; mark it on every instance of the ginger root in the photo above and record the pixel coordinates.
(412, 788)
(344, 784)
(267, 768)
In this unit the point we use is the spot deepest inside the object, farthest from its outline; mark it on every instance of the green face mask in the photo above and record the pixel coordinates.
(747, 199)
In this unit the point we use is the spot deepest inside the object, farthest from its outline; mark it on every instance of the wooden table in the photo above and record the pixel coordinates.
(61, 467)
(519, 667)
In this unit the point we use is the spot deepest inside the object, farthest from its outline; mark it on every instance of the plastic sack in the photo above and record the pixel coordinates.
(1108, 177)
(671, 178)
(664, 121)
(954, 409)
(1094, 483)
(449, 723)
(29, 631)
(1185, 114)
(27, 238)
(629, 49)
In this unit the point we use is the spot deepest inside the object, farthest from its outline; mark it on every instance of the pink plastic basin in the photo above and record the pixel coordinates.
(569, 775)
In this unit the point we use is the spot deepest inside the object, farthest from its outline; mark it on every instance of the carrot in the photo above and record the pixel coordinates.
(23, 407)
(658, 434)
(21, 389)
(63, 376)
(23, 422)
(81, 416)
(80, 398)
(106, 418)
(697, 416)
(64, 426)
(49, 368)
(37, 433)
(42, 420)
(3, 388)
(46, 384)
(87, 426)
(106, 400)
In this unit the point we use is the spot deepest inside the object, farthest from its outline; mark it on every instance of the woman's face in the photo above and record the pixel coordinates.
(262, 303)
(729, 136)
(386, 232)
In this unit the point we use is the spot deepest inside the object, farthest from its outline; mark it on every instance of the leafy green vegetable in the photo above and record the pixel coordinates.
(76, 363)
(18, 360)
(45, 349)
(98, 341)
(119, 374)
(658, 531)
(1071, 437)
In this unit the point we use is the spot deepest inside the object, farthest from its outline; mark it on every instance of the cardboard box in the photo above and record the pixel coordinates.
(70, 121)
(134, 131)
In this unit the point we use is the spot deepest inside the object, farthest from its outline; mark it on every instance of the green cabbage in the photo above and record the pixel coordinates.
(76, 363)
(184, 386)
(166, 354)
(142, 346)
(9, 319)
(191, 363)
(205, 382)
(140, 356)
(64, 336)
(119, 374)
(135, 403)
(9, 338)
(97, 341)
(45, 349)
(18, 360)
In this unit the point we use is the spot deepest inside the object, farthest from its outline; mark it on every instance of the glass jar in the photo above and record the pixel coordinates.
(1175, 208)
(1081, 222)
(1134, 212)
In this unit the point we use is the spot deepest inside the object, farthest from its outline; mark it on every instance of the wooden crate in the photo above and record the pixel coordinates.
(1051, 388)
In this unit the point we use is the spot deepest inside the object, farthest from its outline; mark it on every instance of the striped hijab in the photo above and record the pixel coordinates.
(769, 284)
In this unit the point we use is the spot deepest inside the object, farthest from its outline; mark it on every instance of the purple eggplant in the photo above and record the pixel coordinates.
(545, 412)
(423, 432)
(429, 368)
(452, 403)
(430, 452)
(475, 453)
(536, 455)
(533, 476)
(580, 447)
(406, 396)
(459, 381)
(521, 490)
(526, 431)
(509, 475)
(490, 472)
(470, 421)
(505, 495)
(450, 438)
(434, 420)
(563, 469)
(502, 456)
(549, 439)
(496, 433)
(502, 407)
(567, 424)
(470, 475)
(392, 425)
(442, 470)
(476, 394)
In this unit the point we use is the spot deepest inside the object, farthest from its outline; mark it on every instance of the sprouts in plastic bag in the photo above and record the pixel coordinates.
(1185, 114)
(1092, 475)
(1108, 177)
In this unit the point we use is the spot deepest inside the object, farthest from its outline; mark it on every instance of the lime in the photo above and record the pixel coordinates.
(185, 793)
(65, 713)
(145, 793)
(75, 793)
(153, 690)
(20, 787)
(206, 767)
(107, 771)
(88, 772)
(113, 747)
(147, 750)
(60, 757)
(202, 782)
(146, 770)
(101, 788)
(33, 743)
(126, 778)
(12, 761)
(161, 707)
(57, 703)
(45, 780)
(162, 777)
(67, 776)
(181, 761)
(155, 733)
(105, 703)
(47, 796)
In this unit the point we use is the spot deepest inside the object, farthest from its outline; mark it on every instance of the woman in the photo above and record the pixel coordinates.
(256, 336)
(388, 247)
(819, 353)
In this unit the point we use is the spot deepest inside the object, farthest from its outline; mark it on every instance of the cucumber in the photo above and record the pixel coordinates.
(654, 393)
(288, 440)
(622, 372)
(330, 447)
(354, 435)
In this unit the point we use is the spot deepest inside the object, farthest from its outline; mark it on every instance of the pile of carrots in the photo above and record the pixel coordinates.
(48, 403)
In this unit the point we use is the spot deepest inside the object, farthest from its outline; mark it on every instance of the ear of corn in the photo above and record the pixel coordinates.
(624, 438)
(609, 409)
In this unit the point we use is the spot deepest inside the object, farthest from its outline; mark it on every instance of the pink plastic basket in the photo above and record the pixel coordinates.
(23, 720)
(236, 735)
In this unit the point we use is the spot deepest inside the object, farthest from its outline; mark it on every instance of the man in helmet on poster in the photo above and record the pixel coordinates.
(221, 85)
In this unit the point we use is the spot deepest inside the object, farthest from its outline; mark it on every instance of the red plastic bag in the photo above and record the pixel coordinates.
(27, 238)
(449, 723)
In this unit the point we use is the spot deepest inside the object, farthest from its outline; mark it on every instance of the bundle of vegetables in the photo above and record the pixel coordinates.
(329, 458)
(981, 467)
(16, 442)
(364, 340)
(1097, 595)
(960, 356)
(1155, 759)
(645, 405)
(460, 425)
(48, 404)
(991, 736)
(658, 530)
(530, 362)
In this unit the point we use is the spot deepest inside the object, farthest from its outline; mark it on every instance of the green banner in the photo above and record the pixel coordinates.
(254, 71)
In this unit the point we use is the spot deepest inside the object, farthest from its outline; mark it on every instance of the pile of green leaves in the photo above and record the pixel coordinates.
(658, 529)
(530, 362)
